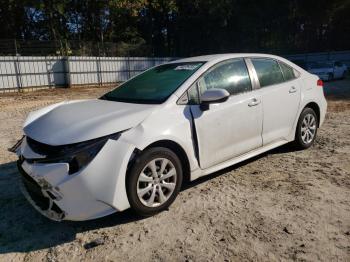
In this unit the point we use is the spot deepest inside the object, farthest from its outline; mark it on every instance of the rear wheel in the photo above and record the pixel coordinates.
(306, 129)
(154, 181)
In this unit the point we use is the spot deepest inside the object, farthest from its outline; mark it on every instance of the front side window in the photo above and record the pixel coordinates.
(155, 85)
(268, 71)
(231, 75)
(288, 72)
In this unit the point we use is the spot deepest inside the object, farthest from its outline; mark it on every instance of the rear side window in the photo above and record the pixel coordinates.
(231, 75)
(288, 72)
(268, 71)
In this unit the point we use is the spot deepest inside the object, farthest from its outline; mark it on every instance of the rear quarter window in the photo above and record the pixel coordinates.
(288, 72)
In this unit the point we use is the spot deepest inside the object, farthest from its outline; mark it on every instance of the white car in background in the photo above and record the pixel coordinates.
(328, 71)
(134, 146)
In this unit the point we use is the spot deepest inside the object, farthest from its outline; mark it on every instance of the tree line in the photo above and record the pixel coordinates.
(182, 27)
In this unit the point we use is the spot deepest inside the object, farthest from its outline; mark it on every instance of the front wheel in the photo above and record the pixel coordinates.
(306, 129)
(154, 181)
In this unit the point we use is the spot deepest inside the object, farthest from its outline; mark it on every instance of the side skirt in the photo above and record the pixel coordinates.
(237, 160)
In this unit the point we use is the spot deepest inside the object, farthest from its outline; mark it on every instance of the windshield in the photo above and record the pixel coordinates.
(155, 85)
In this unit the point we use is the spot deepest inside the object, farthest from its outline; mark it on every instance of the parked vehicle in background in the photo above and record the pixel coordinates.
(300, 62)
(135, 145)
(328, 71)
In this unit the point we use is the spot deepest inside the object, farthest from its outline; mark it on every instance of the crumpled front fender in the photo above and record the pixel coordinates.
(95, 191)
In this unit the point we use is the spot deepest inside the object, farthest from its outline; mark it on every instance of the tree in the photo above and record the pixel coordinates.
(180, 27)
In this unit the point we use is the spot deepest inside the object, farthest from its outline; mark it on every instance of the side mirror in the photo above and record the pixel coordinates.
(213, 96)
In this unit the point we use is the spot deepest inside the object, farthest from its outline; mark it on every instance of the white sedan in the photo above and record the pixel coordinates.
(134, 146)
(328, 71)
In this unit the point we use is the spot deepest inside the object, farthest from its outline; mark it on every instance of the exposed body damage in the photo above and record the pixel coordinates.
(98, 191)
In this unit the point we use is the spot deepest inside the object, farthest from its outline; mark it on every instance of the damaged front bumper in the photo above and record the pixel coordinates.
(95, 191)
(41, 198)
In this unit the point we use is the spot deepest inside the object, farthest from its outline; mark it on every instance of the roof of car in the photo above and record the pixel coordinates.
(207, 58)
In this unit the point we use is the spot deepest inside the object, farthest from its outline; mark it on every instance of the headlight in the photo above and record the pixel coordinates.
(77, 155)
(80, 159)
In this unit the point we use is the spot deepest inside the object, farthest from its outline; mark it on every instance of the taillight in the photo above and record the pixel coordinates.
(320, 83)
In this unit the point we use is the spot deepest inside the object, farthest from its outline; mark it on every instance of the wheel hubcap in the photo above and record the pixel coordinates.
(308, 128)
(156, 182)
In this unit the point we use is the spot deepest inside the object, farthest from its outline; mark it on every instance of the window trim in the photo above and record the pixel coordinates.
(250, 74)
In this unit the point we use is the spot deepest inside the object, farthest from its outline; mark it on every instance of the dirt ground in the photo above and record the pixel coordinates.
(283, 205)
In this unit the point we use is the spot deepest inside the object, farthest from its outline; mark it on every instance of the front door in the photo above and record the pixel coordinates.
(231, 128)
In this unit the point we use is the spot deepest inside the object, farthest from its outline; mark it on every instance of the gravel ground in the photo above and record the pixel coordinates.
(283, 205)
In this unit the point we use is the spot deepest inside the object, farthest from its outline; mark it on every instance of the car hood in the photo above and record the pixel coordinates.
(76, 121)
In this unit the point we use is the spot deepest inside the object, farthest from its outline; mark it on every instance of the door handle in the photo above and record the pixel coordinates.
(292, 89)
(254, 102)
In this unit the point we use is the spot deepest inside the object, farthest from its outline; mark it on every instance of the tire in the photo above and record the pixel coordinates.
(143, 188)
(304, 139)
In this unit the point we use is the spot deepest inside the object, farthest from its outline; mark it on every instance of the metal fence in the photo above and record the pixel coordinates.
(343, 56)
(17, 72)
(20, 72)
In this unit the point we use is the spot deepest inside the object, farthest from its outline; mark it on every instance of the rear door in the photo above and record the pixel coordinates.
(280, 92)
(230, 128)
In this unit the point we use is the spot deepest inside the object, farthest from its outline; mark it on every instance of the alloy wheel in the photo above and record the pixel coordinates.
(156, 182)
(308, 128)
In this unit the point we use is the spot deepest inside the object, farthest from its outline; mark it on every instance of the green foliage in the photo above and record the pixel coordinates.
(181, 27)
